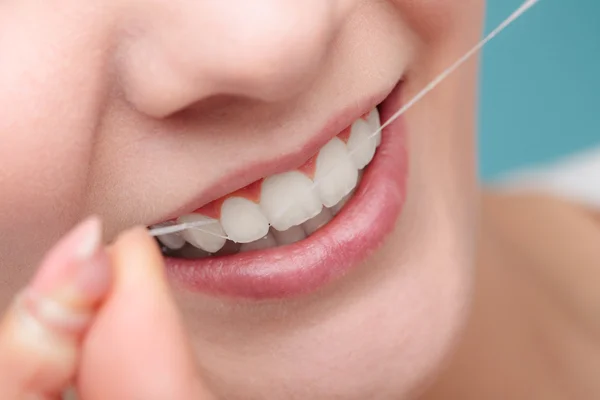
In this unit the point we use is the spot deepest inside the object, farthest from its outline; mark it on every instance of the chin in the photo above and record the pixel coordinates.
(381, 332)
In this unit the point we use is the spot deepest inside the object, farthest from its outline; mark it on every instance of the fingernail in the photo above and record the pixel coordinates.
(77, 268)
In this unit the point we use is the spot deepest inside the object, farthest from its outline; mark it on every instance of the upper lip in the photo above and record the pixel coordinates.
(248, 174)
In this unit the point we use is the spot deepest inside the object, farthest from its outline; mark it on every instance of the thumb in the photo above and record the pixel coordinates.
(137, 347)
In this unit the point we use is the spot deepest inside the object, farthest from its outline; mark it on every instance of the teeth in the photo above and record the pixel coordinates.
(338, 207)
(288, 199)
(209, 237)
(314, 224)
(360, 145)
(243, 220)
(375, 123)
(335, 172)
(263, 243)
(229, 248)
(191, 252)
(291, 203)
(173, 241)
(292, 235)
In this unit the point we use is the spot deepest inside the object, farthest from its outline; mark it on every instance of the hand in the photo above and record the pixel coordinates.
(100, 319)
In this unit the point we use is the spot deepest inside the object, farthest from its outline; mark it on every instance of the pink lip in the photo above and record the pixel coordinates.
(330, 252)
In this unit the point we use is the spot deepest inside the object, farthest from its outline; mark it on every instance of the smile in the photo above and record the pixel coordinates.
(292, 232)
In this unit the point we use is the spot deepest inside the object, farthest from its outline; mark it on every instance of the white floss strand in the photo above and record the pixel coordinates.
(528, 4)
(175, 228)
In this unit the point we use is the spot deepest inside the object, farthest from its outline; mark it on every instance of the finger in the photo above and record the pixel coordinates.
(40, 335)
(138, 348)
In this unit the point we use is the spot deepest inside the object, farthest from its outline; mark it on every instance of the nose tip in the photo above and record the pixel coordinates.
(268, 50)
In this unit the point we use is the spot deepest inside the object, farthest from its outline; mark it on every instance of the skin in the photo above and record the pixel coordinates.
(108, 108)
(543, 340)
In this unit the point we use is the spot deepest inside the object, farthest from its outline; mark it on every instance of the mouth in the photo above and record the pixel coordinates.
(282, 235)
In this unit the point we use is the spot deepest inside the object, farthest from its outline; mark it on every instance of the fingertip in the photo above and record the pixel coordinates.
(76, 269)
(40, 335)
(135, 248)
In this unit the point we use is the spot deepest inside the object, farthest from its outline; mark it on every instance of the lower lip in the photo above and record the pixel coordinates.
(328, 254)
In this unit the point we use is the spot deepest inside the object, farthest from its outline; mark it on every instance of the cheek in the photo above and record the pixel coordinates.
(42, 177)
(41, 181)
(435, 19)
(48, 108)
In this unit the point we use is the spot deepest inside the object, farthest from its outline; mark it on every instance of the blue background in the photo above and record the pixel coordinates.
(540, 84)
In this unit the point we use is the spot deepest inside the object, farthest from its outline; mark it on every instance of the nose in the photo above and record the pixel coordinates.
(178, 52)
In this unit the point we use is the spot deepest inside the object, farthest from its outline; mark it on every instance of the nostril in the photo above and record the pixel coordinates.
(266, 50)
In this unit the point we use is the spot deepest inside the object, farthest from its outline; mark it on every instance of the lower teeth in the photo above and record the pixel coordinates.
(273, 239)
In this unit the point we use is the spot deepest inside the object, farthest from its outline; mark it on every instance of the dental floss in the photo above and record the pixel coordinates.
(175, 228)
(528, 4)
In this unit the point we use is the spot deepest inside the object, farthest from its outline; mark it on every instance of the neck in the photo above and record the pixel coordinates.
(520, 342)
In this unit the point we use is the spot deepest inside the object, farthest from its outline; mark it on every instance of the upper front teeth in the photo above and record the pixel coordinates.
(209, 237)
(243, 220)
(360, 145)
(375, 123)
(335, 172)
(289, 202)
(287, 199)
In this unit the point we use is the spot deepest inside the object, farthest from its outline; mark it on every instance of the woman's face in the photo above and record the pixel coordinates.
(143, 111)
